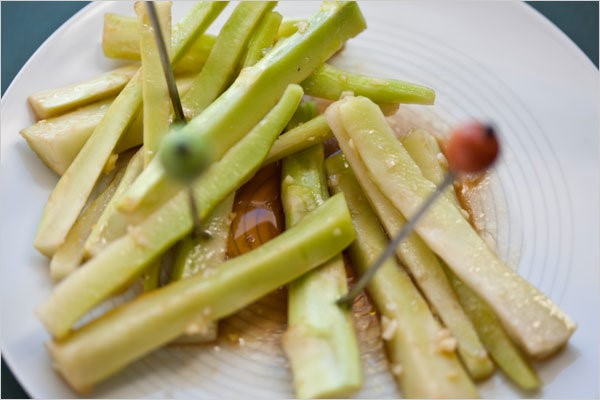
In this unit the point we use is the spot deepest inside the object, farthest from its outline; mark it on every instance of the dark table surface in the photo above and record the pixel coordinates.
(578, 19)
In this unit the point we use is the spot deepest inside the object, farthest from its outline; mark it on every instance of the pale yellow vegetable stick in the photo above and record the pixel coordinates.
(530, 317)
(70, 254)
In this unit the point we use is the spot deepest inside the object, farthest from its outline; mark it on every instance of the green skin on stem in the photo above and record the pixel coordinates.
(263, 39)
(531, 318)
(424, 267)
(424, 149)
(320, 341)
(74, 187)
(257, 88)
(221, 66)
(126, 258)
(423, 366)
(108, 344)
(121, 38)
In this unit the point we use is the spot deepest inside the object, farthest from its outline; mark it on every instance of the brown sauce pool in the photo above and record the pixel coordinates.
(257, 218)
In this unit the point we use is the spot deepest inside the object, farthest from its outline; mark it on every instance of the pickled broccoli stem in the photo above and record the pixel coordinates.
(320, 341)
(422, 357)
(530, 317)
(121, 39)
(127, 257)
(202, 255)
(263, 39)
(106, 345)
(71, 253)
(424, 149)
(426, 270)
(251, 95)
(74, 187)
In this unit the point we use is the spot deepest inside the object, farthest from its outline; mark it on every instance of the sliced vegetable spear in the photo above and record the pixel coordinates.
(121, 38)
(109, 343)
(320, 341)
(423, 148)
(529, 316)
(73, 188)
(126, 258)
(420, 350)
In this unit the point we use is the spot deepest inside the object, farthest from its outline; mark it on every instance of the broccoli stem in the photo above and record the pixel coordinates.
(320, 341)
(530, 317)
(202, 255)
(421, 362)
(53, 102)
(253, 93)
(121, 38)
(116, 339)
(155, 93)
(299, 138)
(426, 270)
(111, 225)
(70, 254)
(75, 185)
(57, 140)
(127, 257)
(329, 82)
(220, 67)
(263, 39)
(504, 352)
(424, 149)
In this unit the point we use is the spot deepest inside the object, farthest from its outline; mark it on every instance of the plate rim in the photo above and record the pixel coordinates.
(94, 7)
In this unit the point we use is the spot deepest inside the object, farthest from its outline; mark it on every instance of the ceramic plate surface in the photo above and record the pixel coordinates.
(495, 60)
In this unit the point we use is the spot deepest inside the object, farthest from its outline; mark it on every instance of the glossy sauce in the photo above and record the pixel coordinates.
(257, 218)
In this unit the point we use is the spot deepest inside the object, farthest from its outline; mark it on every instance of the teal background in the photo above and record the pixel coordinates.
(26, 25)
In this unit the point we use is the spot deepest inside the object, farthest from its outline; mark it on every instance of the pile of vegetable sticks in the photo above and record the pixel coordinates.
(447, 309)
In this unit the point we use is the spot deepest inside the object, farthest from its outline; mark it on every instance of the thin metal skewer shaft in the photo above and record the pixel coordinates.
(166, 63)
(177, 107)
(391, 248)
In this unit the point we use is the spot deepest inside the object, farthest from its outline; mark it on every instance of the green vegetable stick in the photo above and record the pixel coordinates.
(425, 150)
(290, 26)
(263, 38)
(420, 351)
(303, 136)
(202, 256)
(126, 258)
(255, 91)
(221, 65)
(329, 82)
(57, 140)
(73, 188)
(156, 98)
(111, 225)
(121, 38)
(108, 344)
(531, 318)
(152, 190)
(155, 93)
(70, 254)
(320, 341)
(426, 270)
(508, 357)
(50, 103)
(306, 111)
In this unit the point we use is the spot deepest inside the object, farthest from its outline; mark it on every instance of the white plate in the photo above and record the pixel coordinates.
(498, 60)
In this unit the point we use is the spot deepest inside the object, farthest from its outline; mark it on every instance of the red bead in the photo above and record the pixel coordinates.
(471, 148)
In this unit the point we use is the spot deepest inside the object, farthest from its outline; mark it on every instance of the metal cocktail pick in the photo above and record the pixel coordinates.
(176, 101)
(471, 148)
